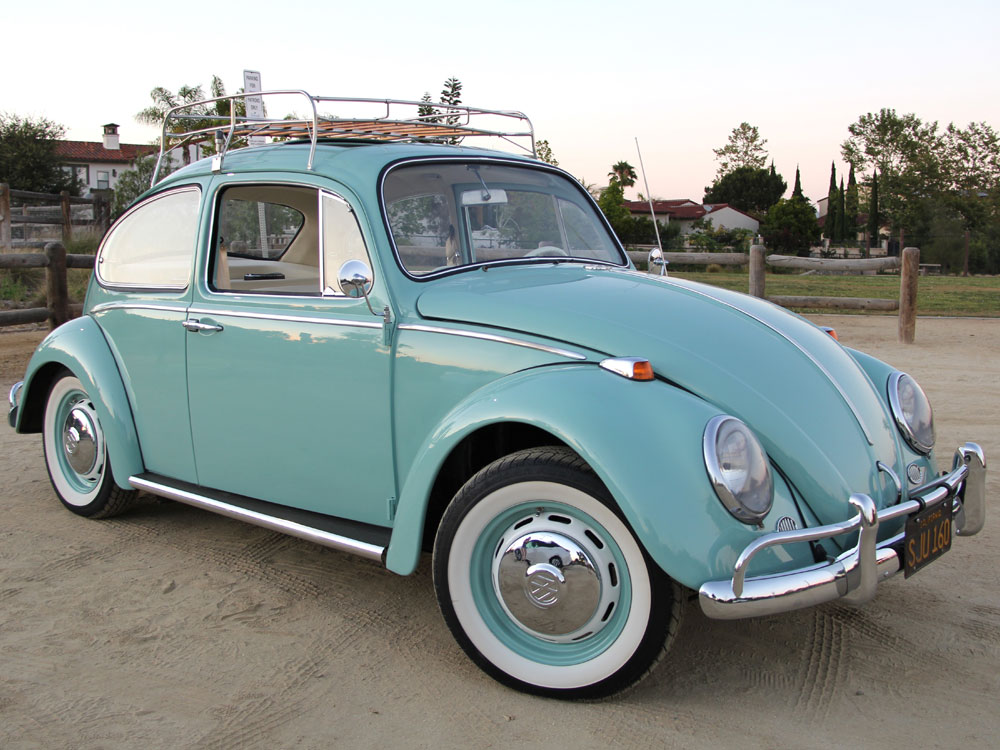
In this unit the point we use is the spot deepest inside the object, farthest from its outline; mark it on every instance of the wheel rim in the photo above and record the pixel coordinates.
(79, 443)
(549, 613)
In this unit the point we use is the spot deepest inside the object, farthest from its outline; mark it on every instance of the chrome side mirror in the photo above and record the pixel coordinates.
(355, 279)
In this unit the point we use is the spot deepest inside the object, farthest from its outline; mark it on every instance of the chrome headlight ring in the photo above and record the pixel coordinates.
(912, 411)
(738, 468)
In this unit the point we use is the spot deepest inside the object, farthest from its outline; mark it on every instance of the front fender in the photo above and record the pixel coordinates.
(644, 441)
(80, 347)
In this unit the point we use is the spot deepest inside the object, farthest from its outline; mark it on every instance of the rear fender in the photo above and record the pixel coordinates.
(80, 347)
(644, 441)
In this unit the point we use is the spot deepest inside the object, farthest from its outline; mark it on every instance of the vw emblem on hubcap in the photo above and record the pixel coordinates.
(542, 584)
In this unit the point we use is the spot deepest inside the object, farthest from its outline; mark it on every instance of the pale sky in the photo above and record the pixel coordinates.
(592, 76)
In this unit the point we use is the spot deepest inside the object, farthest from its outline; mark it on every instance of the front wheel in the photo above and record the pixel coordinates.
(76, 454)
(543, 584)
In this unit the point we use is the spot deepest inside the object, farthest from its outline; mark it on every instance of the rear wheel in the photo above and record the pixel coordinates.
(544, 585)
(76, 454)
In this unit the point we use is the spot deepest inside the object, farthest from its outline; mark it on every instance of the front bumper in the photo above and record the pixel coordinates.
(853, 576)
(13, 400)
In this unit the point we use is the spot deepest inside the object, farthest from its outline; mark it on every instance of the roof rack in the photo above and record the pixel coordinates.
(395, 120)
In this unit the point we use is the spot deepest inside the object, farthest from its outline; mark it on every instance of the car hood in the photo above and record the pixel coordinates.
(815, 410)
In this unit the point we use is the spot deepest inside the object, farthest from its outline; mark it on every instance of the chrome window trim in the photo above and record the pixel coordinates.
(207, 289)
(896, 408)
(492, 337)
(149, 287)
(284, 318)
(504, 161)
(790, 340)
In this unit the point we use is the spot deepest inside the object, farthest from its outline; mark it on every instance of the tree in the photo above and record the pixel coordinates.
(28, 159)
(612, 203)
(831, 227)
(750, 189)
(790, 227)
(744, 149)
(797, 190)
(211, 114)
(851, 209)
(624, 173)
(543, 152)
(841, 219)
(904, 150)
(134, 182)
(874, 212)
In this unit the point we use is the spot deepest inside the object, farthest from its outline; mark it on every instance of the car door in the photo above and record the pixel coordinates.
(288, 378)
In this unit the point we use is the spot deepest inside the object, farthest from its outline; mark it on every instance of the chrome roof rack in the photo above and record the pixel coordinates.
(377, 120)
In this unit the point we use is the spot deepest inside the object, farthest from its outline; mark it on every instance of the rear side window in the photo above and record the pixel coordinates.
(153, 245)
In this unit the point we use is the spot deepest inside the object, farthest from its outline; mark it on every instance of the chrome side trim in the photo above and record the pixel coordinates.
(790, 340)
(855, 574)
(105, 306)
(325, 538)
(492, 337)
(285, 318)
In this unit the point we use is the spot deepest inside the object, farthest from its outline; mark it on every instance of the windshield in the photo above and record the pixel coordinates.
(445, 216)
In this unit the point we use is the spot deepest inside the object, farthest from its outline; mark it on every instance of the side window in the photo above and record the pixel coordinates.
(152, 246)
(266, 241)
(342, 240)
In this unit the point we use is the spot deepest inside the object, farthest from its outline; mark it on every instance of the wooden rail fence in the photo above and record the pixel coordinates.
(757, 260)
(51, 209)
(55, 261)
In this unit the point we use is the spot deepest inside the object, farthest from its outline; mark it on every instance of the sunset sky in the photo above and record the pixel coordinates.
(592, 76)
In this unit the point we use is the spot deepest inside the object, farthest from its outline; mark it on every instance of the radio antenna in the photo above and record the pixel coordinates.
(656, 256)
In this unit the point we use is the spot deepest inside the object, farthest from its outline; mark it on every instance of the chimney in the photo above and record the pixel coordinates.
(111, 137)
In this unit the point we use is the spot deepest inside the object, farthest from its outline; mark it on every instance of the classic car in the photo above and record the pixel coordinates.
(368, 334)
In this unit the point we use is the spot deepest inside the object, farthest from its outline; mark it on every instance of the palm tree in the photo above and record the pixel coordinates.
(624, 173)
(164, 100)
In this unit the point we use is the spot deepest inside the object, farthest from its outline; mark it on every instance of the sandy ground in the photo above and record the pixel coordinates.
(170, 627)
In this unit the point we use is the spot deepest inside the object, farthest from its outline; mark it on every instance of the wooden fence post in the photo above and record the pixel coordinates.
(908, 274)
(6, 245)
(757, 271)
(67, 218)
(56, 289)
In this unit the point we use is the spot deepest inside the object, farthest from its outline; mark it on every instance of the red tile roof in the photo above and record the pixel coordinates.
(91, 152)
(679, 209)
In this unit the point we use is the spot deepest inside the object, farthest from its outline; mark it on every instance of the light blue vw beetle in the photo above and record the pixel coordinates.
(367, 336)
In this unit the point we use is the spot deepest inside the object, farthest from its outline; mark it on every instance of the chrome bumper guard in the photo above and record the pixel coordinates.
(853, 576)
(12, 399)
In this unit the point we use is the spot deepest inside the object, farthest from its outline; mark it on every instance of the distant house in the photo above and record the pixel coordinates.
(98, 165)
(686, 212)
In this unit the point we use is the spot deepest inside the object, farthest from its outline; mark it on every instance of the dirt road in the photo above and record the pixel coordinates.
(170, 627)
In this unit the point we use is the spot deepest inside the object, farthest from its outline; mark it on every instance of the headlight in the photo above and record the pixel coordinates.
(912, 411)
(738, 468)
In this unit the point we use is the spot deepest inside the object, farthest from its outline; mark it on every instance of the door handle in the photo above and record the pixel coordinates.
(194, 325)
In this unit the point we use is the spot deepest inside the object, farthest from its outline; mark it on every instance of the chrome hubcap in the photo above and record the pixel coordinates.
(555, 578)
(81, 441)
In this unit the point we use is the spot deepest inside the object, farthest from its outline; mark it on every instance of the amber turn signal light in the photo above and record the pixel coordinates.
(633, 368)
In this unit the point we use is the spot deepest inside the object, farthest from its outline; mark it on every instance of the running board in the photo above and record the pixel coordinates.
(313, 527)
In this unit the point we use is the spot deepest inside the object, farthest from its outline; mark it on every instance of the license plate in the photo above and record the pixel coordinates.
(928, 536)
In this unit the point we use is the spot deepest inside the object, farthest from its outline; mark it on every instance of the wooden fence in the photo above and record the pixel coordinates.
(906, 304)
(48, 209)
(55, 261)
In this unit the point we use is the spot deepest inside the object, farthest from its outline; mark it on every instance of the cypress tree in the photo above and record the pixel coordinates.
(830, 227)
(873, 213)
(843, 230)
(797, 190)
(851, 208)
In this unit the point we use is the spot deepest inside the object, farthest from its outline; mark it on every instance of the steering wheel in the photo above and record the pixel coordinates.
(547, 251)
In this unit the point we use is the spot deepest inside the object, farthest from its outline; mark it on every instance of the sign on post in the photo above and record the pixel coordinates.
(255, 105)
